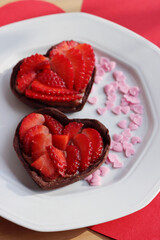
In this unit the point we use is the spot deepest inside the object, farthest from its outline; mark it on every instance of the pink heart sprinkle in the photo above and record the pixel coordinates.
(112, 97)
(104, 60)
(127, 132)
(112, 65)
(122, 124)
(131, 99)
(101, 111)
(127, 145)
(117, 137)
(136, 118)
(123, 87)
(109, 104)
(107, 88)
(119, 76)
(129, 152)
(116, 110)
(117, 164)
(88, 178)
(125, 109)
(103, 170)
(134, 91)
(95, 181)
(124, 102)
(137, 108)
(97, 172)
(99, 71)
(112, 144)
(97, 79)
(132, 126)
(113, 158)
(117, 147)
(92, 100)
(135, 140)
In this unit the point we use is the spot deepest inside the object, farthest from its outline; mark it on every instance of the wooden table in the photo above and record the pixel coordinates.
(11, 231)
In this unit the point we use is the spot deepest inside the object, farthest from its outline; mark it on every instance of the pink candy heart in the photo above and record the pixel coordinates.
(122, 124)
(92, 100)
(101, 111)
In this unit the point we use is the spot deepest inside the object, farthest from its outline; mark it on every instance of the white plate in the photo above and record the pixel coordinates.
(124, 190)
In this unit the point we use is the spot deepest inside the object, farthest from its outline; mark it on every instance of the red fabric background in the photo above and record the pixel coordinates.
(140, 16)
(21, 10)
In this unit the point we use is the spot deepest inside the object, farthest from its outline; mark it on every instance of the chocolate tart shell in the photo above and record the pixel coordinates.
(73, 106)
(49, 184)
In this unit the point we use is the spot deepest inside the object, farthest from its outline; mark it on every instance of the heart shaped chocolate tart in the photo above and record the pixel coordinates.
(62, 78)
(57, 151)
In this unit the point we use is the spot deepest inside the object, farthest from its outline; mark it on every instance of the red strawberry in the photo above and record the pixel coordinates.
(50, 78)
(28, 138)
(72, 129)
(45, 165)
(34, 63)
(73, 159)
(30, 121)
(23, 81)
(39, 144)
(44, 97)
(55, 127)
(85, 147)
(63, 67)
(89, 60)
(63, 47)
(60, 141)
(78, 65)
(58, 158)
(41, 88)
(96, 140)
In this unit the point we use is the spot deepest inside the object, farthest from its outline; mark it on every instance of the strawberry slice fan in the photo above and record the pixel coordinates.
(62, 78)
(57, 151)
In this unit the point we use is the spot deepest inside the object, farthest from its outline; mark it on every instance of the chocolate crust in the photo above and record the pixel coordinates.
(34, 103)
(48, 184)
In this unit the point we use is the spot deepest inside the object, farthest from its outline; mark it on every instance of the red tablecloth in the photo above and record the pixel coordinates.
(143, 17)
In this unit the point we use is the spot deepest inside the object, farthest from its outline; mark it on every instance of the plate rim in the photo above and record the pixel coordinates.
(153, 46)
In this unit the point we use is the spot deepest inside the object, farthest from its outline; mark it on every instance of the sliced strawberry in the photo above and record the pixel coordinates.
(73, 159)
(96, 140)
(34, 63)
(30, 134)
(63, 47)
(50, 78)
(44, 97)
(76, 59)
(39, 144)
(85, 147)
(63, 67)
(45, 165)
(60, 141)
(28, 70)
(41, 88)
(58, 158)
(23, 81)
(89, 60)
(30, 121)
(72, 129)
(54, 126)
